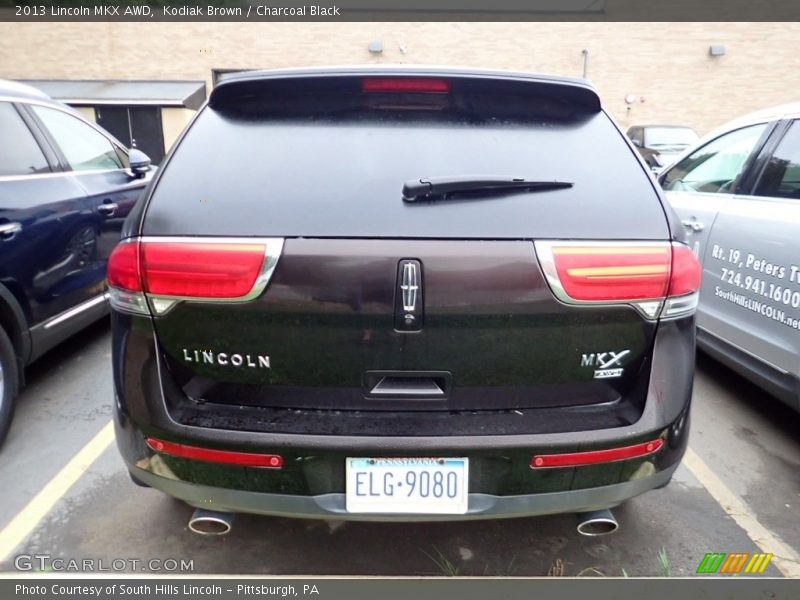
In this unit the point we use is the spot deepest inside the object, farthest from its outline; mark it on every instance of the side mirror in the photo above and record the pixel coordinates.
(139, 161)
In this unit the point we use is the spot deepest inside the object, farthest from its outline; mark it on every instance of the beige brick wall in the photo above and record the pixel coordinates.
(173, 120)
(665, 65)
(87, 112)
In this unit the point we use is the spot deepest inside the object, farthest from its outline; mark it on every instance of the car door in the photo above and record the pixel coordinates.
(39, 205)
(700, 184)
(751, 290)
(99, 165)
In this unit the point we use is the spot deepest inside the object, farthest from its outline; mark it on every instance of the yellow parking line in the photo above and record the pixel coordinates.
(26, 520)
(784, 557)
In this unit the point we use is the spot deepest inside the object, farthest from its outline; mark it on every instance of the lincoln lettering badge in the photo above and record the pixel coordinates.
(225, 359)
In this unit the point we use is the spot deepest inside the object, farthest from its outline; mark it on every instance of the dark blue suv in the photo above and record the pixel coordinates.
(66, 186)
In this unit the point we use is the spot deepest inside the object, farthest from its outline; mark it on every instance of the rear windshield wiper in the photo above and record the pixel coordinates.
(415, 189)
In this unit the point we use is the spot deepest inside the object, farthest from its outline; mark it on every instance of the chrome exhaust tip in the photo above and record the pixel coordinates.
(211, 522)
(597, 523)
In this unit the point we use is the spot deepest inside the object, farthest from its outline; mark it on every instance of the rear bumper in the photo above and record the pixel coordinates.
(311, 482)
(332, 506)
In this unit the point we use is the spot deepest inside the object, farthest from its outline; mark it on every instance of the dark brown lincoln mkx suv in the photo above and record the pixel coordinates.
(402, 294)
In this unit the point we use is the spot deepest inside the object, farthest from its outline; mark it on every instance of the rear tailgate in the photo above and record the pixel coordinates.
(319, 162)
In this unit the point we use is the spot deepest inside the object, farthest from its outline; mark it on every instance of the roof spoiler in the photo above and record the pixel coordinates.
(269, 87)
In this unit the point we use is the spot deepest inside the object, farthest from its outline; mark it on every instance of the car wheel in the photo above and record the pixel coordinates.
(9, 383)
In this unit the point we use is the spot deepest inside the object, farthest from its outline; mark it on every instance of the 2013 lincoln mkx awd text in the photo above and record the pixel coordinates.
(402, 294)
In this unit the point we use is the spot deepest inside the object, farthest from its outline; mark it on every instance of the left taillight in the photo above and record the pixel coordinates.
(123, 267)
(124, 279)
(167, 271)
(206, 270)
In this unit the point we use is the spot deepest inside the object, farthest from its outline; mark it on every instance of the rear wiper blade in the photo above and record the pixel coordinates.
(415, 189)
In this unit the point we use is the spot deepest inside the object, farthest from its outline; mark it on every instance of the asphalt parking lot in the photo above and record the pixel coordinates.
(738, 490)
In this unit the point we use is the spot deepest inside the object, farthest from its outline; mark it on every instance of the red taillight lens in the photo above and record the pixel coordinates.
(577, 459)
(242, 459)
(123, 267)
(659, 279)
(612, 273)
(172, 270)
(411, 85)
(201, 270)
(686, 272)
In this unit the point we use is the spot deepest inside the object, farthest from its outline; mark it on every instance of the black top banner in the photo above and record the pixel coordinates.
(400, 10)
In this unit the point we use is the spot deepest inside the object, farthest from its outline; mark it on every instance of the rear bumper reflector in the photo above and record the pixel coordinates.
(242, 459)
(592, 457)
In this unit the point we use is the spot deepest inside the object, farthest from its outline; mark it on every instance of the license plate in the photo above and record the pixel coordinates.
(407, 485)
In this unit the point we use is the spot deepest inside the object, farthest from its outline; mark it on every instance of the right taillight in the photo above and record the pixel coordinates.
(684, 283)
(658, 278)
(166, 271)
(686, 271)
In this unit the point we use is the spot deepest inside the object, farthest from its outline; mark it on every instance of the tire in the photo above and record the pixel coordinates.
(9, 383)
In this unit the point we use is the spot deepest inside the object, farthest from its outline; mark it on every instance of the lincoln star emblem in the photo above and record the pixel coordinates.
(410, 287)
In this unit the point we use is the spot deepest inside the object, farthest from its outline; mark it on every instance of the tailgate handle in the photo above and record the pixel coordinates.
(408, 385)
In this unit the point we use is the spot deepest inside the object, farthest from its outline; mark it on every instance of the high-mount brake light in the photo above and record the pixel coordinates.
(409, 85)
(659, 279)
(170, 270)
(226, 457)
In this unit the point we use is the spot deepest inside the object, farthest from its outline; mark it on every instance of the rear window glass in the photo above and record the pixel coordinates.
(245, 170)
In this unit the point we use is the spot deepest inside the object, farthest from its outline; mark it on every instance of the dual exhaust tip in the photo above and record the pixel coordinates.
(597, 523)
(214, 523)
(211, 522)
